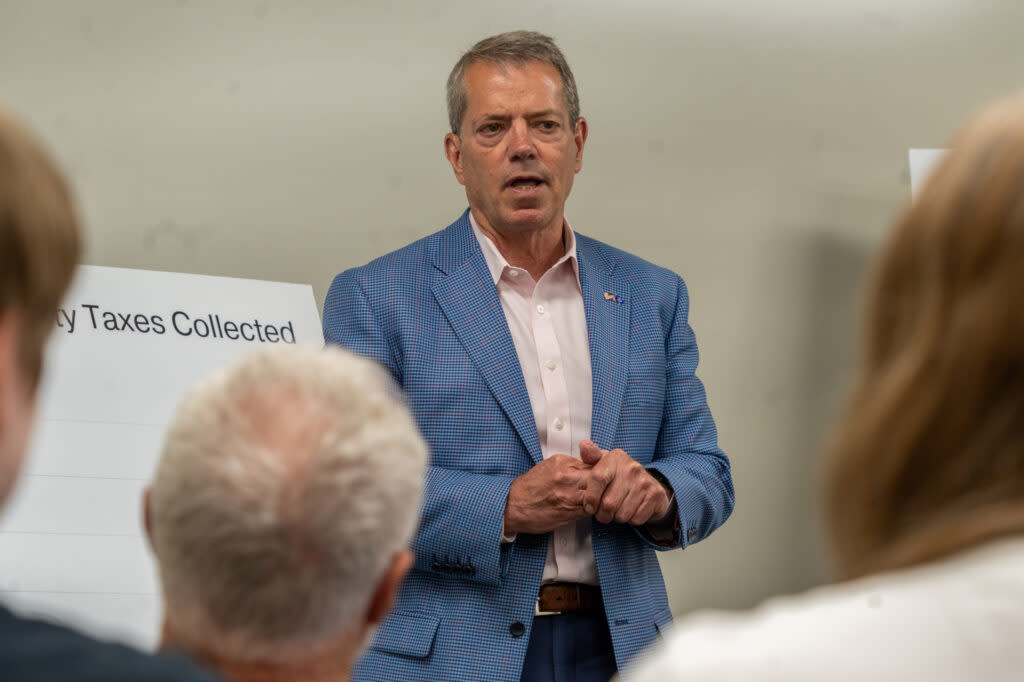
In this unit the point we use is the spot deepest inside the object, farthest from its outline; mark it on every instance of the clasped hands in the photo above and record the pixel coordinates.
(606, 484)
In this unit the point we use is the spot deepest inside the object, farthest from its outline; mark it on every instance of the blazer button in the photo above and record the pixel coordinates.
(516, 629)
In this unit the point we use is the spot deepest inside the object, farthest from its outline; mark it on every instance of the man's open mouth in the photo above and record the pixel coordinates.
(524, 182)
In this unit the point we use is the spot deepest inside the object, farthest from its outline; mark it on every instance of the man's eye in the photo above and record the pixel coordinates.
(491, 128)
(548, 125)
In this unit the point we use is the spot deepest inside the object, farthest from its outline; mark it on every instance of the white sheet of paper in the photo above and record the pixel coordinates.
(922, 161)
(72, 545)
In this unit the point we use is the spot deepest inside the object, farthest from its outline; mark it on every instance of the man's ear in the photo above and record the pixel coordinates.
(579, 136)
(453, 152)
(384, 595)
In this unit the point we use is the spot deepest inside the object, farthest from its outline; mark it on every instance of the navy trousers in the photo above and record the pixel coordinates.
(570, 647)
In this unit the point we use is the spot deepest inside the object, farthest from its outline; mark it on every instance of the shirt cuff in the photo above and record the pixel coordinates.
(664, 531)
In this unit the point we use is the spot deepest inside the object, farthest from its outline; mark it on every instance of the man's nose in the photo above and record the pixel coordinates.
(520, 143)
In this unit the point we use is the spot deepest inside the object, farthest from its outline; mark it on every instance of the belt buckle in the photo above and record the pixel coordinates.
(536, 606)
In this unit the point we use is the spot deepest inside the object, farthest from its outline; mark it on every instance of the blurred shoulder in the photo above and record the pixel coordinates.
(918, 623)
(37, 651)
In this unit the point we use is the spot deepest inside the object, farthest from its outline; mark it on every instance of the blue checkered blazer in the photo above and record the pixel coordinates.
(430, 313)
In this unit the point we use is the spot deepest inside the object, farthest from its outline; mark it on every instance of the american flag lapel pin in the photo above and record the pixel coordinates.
(608, 296)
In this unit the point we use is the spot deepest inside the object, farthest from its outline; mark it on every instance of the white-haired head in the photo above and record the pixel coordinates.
(287, 484)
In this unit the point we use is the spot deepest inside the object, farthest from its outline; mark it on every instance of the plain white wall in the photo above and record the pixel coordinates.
(759, 149)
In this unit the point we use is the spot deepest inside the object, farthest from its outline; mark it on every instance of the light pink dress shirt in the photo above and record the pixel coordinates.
(549, 330)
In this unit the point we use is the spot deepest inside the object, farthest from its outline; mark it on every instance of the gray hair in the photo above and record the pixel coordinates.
(286, 485)
(514, 47)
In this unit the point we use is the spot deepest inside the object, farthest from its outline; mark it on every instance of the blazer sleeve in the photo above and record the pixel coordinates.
(463, 512)
(687, 452)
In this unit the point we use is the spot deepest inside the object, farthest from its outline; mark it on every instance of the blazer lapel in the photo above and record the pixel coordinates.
(606, 303)
(470, 302)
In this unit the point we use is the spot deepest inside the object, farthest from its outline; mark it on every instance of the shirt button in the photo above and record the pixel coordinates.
(551, 364)
(513, 272)
(516, 629)
(540, 309)
(559, 423)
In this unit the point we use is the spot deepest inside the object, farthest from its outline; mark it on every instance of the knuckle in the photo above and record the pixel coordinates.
(563, 473)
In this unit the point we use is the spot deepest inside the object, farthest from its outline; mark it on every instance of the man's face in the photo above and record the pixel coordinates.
(518, 151)
(17, 405)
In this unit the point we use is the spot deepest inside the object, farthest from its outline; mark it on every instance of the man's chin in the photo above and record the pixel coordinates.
(527, 219)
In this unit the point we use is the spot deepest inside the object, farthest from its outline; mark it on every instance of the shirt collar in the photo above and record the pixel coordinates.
(496, 262)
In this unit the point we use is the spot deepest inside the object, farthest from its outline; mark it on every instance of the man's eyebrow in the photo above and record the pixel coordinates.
(544, 113)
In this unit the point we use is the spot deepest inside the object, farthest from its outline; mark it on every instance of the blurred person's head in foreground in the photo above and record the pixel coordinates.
(40, 243)
(281, 510)
(924, 475)
(928, 458)
(39, 247)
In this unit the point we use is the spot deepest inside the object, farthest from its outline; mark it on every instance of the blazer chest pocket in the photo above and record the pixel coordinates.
(645, 397)
(645, 383)
(406, 634)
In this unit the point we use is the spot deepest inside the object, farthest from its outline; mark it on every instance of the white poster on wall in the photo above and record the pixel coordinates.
(128, 344)
(922, 161)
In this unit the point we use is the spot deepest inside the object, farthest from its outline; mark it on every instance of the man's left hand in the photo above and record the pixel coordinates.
(620, 489)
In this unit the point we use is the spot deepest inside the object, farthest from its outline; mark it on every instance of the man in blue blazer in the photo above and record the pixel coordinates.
(553, 377)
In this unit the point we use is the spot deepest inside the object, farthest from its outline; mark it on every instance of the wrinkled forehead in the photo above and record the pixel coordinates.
(533, 84)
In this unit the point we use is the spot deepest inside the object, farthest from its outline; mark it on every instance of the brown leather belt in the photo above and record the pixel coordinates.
(555, 598)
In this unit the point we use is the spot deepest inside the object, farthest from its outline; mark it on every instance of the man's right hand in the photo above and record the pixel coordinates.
(547, 496)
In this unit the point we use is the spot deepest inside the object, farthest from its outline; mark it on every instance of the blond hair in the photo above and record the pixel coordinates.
(928, 458)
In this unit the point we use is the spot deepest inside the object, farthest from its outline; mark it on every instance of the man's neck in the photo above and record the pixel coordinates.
(247, 671)
(532, 250)
(328, 664)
